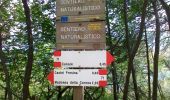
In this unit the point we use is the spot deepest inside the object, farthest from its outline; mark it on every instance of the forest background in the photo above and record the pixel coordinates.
(138, 34)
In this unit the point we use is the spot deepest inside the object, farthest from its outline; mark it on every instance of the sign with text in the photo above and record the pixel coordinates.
(82, 32)
(83, 18)
(80, 7)
(79, 59)
(78, 77)
(78, 46)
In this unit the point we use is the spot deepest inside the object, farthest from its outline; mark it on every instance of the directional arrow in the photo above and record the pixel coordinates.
(51, 77)
(78, 77)
(109, 58)
(89, 59)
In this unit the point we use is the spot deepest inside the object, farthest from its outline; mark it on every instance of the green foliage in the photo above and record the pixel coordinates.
(15, 48)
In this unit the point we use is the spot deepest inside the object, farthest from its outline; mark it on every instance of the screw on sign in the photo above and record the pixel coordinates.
(77, 59)
(78, 77)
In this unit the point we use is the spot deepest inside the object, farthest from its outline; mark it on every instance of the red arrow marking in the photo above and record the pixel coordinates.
(51, 77)
(57, 53)
(102, 72)
(57, 64)
(102, 83)
(109, 58)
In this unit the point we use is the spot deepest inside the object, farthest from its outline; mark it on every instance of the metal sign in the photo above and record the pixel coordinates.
(79, 59)
(80, 7)
(78, 77)
(82, 32)
(80, 46)
(83, 18)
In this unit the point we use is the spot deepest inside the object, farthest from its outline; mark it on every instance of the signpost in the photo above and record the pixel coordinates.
(80, 27)
(79, 59)
(78, 77)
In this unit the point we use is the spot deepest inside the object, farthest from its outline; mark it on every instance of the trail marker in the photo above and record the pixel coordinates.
(78, 77)
(78, 59)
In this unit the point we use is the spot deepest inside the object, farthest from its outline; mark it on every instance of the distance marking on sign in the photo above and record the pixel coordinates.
(86, 59)
(78, 77)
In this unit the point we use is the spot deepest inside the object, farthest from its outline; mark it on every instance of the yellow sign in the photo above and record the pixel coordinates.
(96, 26)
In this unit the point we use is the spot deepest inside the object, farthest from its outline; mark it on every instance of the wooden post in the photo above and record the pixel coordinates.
(78, 93)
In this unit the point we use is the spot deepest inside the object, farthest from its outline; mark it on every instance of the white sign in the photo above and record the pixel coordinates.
(93, 59)
(78, 77)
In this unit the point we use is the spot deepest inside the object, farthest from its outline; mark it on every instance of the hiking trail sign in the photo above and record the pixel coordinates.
(83, 18)
(80, 59)
(81, 35)
(80, 46)
(80, 7)
(78, 77)
(82, 32)
(80, 24)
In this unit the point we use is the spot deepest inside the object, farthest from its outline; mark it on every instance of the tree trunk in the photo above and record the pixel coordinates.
(134, 50)
(166, 7)
(125, 92)
(60, 92)
(113, 70)
(5, 70)
(114, 79)
(130, 59)
(135, 82)
(148, 66)
(156, 54)
(29, 64)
